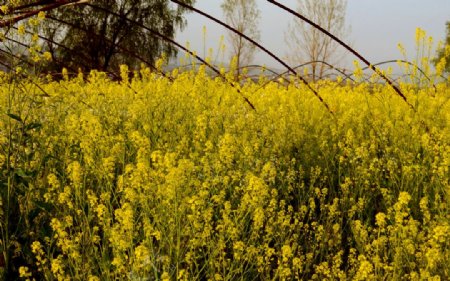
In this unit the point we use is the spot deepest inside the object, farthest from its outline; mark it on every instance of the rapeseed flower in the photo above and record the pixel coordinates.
(180, 179)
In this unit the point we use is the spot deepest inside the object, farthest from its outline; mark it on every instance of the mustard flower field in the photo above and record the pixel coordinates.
(178, 178)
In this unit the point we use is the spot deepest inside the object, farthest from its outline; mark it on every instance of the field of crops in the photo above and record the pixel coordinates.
(154, 178)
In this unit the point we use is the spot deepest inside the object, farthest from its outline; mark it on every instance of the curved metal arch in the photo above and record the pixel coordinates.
(347, 76)
(262, 48)
(404, 75)
(175, 43)
(409, 63)
(350, 49)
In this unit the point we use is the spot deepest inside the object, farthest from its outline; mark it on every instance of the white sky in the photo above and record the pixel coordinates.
(377, 26)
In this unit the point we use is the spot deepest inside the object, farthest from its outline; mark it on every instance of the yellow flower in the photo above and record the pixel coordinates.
(404, 198)
(142, 256)
(380, 219)
(75, 172)
(24, 272)
(420, 34)
(57, 266)
(165, 276)
(365, 269)
(21, 29)
(41, 15)
(238, 249)
(47, 56)
(441, 233)
(4, 9)
(286, 253)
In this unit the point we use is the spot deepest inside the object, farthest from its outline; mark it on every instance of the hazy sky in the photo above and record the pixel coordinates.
(377, 26)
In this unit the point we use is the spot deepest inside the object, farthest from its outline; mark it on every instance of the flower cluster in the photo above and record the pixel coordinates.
(154, 178)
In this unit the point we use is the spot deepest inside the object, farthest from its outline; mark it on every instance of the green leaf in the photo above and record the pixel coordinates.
(33, 126)
(15, 117)
(44, 206)
(21, 173)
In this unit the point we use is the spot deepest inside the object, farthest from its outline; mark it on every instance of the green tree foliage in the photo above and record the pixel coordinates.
(443, 53)
(96, 34)
(95, 39)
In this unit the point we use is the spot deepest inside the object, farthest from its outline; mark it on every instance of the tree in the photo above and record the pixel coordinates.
(243, 15)
(94, 34)
(104, 40)
(307, 44)
(442, 59)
